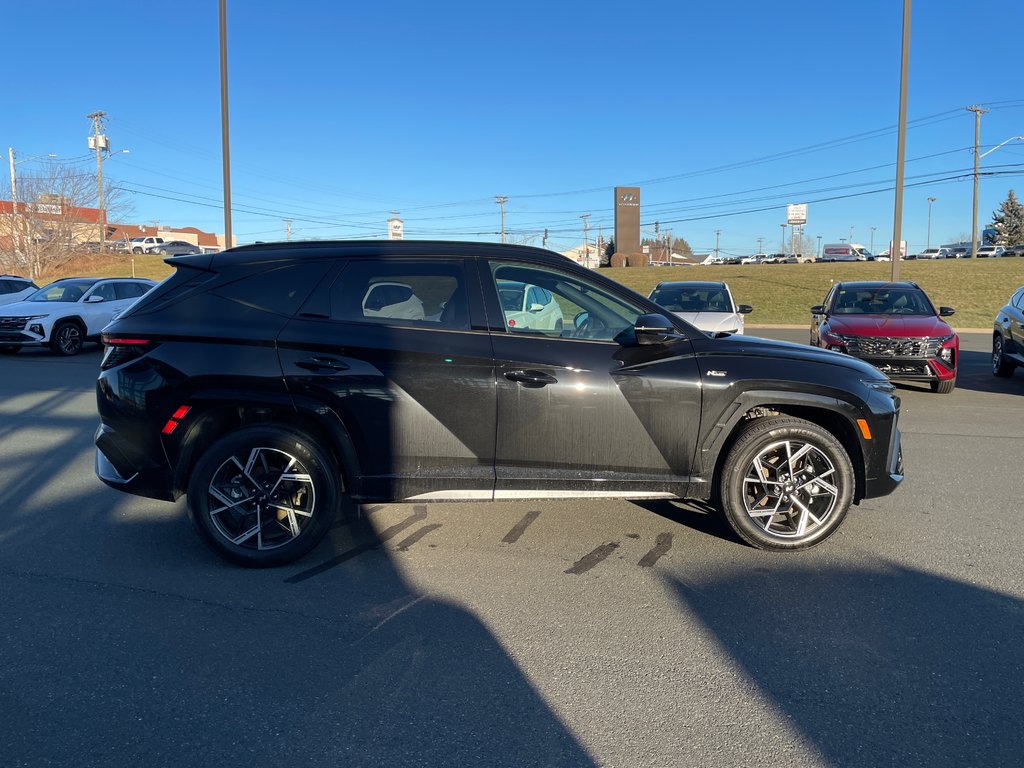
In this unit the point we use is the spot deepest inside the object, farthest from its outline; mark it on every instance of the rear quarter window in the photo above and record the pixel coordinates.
(280, 290)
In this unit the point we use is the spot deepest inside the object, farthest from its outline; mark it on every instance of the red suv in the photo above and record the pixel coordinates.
(894, 327)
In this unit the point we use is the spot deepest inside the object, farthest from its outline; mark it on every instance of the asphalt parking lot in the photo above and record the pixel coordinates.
(527, 633)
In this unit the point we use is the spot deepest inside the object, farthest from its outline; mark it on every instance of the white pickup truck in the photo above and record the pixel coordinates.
(145, 244)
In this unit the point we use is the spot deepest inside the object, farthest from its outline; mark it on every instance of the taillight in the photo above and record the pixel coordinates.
(177, 416)
(123, 349)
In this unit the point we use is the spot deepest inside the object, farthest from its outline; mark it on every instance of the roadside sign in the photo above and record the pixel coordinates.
(796, 214)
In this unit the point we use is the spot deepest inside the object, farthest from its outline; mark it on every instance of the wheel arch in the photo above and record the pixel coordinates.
(835, 416)
(220, 416)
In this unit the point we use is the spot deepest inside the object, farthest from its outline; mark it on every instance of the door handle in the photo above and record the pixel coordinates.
(323, 364)
(531, 379)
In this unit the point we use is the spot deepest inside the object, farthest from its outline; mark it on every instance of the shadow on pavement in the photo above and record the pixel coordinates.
(876, 665)
(126, 642)
(975, 373)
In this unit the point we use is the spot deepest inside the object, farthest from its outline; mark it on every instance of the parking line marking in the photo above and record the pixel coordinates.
(419, 513)
(589, 561)
(404, 544)
(520, 528)
(662, 544)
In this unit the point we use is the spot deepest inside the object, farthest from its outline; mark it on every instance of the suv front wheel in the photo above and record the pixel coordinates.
(263, 496)
(786, 484)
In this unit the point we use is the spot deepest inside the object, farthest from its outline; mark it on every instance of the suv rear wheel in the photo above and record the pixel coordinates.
(786, 484)
(263, 496)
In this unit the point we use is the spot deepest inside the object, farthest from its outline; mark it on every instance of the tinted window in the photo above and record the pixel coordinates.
(130, 290)
(1018, 299)
(881, 301)
(6, 286)
(281, 290)
(411, 293)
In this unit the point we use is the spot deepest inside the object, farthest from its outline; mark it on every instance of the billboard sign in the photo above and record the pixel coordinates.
(796, 214)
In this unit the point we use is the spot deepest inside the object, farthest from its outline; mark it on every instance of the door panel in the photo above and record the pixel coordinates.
(418, 398)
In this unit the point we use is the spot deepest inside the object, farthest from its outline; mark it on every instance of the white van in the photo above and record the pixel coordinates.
(845, 252)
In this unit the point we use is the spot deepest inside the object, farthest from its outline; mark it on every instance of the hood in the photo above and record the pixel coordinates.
(24, 308)
(712, 322)
(888, 325)
(750, 346)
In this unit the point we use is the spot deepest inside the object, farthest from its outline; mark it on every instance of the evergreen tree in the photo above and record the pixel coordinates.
(680, 246)
(1008, 221)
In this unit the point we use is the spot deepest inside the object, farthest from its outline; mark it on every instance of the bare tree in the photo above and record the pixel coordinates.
(57, 212)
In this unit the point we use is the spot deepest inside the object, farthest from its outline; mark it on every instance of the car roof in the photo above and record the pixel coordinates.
(868, 285)
(265, 252)
(691, 284)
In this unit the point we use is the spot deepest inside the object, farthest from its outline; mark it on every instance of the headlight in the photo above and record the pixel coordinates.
(946, 354)
(879, 385)
(940, 340)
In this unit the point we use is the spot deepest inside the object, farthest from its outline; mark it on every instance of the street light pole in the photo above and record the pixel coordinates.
(872, 248)
(225, 145)
(930, 201)
(978, 111)
(718, 233)
(783, 248)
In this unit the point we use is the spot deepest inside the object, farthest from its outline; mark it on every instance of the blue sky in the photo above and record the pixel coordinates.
(342, 112)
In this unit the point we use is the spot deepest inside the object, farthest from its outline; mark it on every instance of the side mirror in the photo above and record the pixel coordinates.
(744, 309)
(536, 307)
(946, 311)
(655, 329)
(818, 309)
(94, 299)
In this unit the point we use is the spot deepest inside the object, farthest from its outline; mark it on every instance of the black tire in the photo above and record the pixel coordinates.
(10, 349)
(788, 463)
(67, 338)
(271, 525)
(136, 250)
(1000, 365)
(944, 387)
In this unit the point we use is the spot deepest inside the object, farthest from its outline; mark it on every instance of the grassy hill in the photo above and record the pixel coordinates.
(779, 293)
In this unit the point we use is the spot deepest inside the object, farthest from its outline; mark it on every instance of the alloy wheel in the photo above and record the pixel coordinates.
(262, 500)
(788, 489)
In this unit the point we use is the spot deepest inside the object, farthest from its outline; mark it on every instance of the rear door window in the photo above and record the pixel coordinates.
(428, 293)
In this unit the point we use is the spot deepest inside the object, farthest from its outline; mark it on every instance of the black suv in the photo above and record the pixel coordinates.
(276, 384)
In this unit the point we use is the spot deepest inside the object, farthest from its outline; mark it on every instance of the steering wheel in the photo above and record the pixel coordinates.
(588, 326)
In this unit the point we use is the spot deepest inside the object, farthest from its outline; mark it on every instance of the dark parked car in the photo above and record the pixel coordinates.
(176, 248)
(1014, 250)
(1008, 336)
(257, 382)
(893, 326)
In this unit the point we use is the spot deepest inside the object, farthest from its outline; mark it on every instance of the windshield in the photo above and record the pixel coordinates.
(692, 299)
(66, 291)
(882, 301)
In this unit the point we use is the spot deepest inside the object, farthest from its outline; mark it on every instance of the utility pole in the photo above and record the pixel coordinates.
(978, 112)
(759, 241)
(224, 121)
(287, 229)
(501, 200)
(544, 240)
(718, 233)
(15, 218)
(586, 243)
(901, 146)
(930, 201)
(872, 248)
(99, 143)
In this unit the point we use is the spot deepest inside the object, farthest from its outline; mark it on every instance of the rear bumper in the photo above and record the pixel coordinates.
(121, 467)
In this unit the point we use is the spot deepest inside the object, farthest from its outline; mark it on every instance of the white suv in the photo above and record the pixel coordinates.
(67, 312)
(14, 288)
